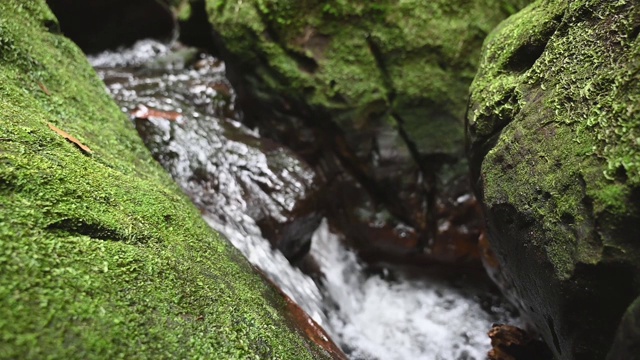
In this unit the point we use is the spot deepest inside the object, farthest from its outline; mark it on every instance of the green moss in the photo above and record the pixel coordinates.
(553, 125)
(101, 255)
(574, 135)
(183, 11)
(358, 60)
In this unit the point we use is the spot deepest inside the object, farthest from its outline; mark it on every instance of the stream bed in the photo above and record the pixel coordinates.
(184, 108)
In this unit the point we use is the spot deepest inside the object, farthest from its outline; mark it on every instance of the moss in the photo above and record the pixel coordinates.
(183, 11)
(587, 121)
(101, 255)
(358, 60)
(553, 125)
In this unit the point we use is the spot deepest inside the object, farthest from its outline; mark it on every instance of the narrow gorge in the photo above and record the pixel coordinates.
(279, 179)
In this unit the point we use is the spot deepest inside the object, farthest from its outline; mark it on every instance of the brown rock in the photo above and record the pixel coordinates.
(512, 343)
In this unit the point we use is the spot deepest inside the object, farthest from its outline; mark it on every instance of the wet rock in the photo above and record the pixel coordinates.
(377, 91)
(188, 123)
(276, 189)
(555, 157)
(380, 238)
(96, 25)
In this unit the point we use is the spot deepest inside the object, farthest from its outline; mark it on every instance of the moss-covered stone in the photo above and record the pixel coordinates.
(554, 124)
(101, 256)
(374, 89)
(361, 60)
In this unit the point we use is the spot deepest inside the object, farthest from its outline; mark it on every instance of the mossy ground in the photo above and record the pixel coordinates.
(101, 256)
(361, 60)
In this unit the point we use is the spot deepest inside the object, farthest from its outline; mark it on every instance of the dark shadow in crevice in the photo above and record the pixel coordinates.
(479, 145)
(305, 63)
(376, 52)
(82, 227)
(107, 24)
(531, 50)
(525, 56)
(554, 335)
(429, 169)
(52, 26)
(196, 31)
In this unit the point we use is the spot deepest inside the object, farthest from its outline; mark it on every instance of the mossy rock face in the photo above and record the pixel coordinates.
(554, 126)
(375, 89)
(364, 62)
(101, 255)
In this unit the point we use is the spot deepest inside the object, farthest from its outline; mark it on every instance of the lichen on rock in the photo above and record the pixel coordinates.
(101, 255)
(554, 124)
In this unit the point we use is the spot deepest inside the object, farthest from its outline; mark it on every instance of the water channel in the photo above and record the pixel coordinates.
(186, 113)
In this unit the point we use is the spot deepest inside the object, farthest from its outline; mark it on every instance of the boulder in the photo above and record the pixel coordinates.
(376, 90)
(554, 133)
(101, 254)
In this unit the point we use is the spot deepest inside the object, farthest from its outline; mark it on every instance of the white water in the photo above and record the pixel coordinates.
(403, 319)
(299, 287)
(371, 317)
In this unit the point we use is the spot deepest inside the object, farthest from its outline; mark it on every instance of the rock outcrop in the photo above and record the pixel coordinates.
(101, 254)
(554, 127)
(371, 94)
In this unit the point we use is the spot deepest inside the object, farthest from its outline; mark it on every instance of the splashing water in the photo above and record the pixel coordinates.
(370, 316)
(400, 319)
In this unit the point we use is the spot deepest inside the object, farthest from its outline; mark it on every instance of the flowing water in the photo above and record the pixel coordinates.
(194, 131)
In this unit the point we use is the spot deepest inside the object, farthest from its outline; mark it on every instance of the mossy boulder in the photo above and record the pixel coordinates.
(101, 256)
(554, 127)
(403, 62)
(375, 89)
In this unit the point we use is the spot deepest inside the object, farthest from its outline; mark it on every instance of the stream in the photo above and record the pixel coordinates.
(184, 108)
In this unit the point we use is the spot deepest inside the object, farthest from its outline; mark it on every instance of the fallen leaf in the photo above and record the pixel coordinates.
(66, 135)
(145, 113)
(44, 88)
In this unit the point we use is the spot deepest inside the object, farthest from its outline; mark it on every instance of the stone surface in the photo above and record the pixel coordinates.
(554, 128)
(185, 113)
(101, 255)
(372, 94)
(278, 190)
